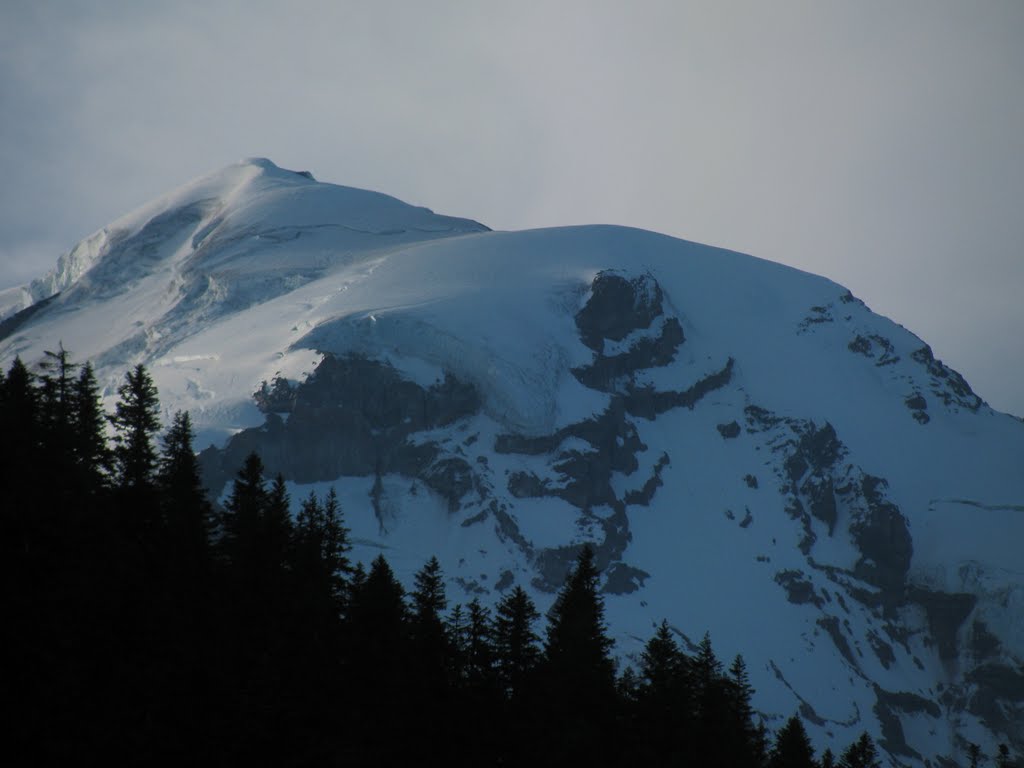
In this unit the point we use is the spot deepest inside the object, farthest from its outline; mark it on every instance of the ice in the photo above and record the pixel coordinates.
(256, 272)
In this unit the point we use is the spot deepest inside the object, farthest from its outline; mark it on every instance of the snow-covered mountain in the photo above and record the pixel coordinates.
(750, 449)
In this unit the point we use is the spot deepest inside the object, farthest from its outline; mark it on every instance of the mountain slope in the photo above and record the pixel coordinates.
(752, 451)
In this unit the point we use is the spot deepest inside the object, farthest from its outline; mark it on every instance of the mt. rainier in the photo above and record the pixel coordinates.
(750, 449)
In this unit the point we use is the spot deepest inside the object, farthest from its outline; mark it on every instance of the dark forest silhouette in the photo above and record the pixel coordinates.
(144, 626)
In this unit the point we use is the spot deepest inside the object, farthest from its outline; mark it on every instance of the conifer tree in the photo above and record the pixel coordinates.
(428, 596)
(792, 747)
(861, 754)
(663, 666)
(58, 405)
(378, 615)
(707, 668)
(718, 739)
(457, 630)
(21, 465)
(516, 645)
(240, 522)
(276, 530)
(479, 646)
(92, 455)
(313, 572)
(579, 671)
(136, 420)
(430, 641)
(377, 653)
(186, 510)
(748, 746)
(664, 701)
(335, 547)
(828, 759)
(577, 646)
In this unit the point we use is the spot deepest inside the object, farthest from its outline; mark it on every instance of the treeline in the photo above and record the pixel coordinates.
(145, 627)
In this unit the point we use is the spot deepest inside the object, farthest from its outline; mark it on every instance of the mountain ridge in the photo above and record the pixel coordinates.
(700, 416)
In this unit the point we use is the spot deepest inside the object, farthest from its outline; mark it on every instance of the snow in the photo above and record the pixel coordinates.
(255, 272)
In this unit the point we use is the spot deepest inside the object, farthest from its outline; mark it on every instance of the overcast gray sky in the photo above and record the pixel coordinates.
(877, 142)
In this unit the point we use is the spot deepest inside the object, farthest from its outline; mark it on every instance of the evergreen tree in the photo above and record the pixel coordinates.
(276, 531)
(662, 663)
(664, 701)
(321, 545)
(242, 515)
(828, 760)
(378, 615)
(707, 669)
(748, 746)
(479, 647)
(577, 646)
(334, 547)
(792, 747)
(186, 510)
(21, 464)
(428, 598)
(457, 630)
(974, 755)
(377, 666)
(58, 408)
(579, 671)
(717, 739)
(137, 421)
(432, 654)
(27, 558)
(1003, 757)
(92, 455)
(516, 645)
(860, 754)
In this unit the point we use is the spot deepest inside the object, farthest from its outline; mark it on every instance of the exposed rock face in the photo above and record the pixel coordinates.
(625, 311)
(948, 385)
(918, 408)
(618, 305)
(883, 538)
(730, 430)
(354, 416)
(875, 347)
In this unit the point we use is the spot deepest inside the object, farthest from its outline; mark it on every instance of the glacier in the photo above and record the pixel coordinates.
(751, 449)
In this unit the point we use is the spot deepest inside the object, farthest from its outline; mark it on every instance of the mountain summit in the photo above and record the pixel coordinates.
(749, 449)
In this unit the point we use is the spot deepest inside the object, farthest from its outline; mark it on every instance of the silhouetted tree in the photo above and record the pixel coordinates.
(748, 746)
(860, 754)
(664, 701)
(378, 665)
(429, 602)
(240, 521)
(478, 649)
(516, 645)
(92, 454)
(136, 420)
(577, 647)
(21, 465)
(579, 671)
(321, 552)
(187, 513)
(57, 383)
(276, 530)
(792, 747)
